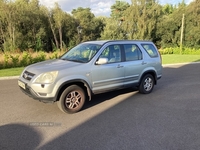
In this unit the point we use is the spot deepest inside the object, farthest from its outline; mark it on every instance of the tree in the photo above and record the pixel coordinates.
(192, 24)
(167, 9)
(8, 20)
(91, 26)
(141, 19)
(69, 31)
(113, 28)
(49, 14)
(25, 24)
(169, 27)
(59, 19)
(118, 8)
(30, 25)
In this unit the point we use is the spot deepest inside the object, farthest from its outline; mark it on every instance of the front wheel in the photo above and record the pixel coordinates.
(72, 99)
(146, 84)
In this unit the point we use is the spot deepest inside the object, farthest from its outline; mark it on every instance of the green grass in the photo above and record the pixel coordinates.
(175, 58)
(11, 72)
(166, 59)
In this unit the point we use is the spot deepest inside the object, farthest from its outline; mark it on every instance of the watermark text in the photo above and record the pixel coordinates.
(44, 124)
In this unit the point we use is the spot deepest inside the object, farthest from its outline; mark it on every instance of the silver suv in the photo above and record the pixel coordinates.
(92, 67)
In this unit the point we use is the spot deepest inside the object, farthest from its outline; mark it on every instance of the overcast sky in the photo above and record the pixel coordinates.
(98, 7)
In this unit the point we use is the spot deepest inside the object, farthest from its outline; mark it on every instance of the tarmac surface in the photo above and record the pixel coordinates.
(166, 119)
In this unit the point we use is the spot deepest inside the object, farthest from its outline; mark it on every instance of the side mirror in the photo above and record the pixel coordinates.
(102, 61)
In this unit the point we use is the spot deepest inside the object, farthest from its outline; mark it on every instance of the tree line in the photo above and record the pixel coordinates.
(25, 24)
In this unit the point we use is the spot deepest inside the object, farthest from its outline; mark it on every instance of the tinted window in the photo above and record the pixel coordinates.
(132, 52)
(150, 49)
(113, 53)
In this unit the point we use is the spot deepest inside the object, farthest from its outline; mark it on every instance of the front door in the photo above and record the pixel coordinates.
(108, 76)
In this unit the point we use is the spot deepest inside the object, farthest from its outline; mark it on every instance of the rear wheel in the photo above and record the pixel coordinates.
(146, 84)
(72, 99)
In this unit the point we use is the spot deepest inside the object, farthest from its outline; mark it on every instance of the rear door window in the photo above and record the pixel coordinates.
(132, 52)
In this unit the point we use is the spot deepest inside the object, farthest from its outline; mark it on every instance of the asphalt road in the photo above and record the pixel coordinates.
(166, 119)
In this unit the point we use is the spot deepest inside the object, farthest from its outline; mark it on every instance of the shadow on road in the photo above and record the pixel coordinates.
(19, 137)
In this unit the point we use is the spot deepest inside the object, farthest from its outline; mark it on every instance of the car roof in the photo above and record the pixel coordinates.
(101, 42)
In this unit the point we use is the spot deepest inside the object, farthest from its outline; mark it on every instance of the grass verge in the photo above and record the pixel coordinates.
(166, 59)
(174, 58)
(11, 72)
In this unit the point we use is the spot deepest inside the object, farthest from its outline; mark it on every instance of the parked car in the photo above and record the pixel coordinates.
(90, 68)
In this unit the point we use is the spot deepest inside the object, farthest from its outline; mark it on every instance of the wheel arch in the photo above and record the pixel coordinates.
(81, 83)
(151, 72)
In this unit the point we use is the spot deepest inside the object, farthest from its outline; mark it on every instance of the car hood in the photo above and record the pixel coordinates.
(51, 65)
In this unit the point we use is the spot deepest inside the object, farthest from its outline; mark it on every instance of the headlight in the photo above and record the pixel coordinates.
(46, 78)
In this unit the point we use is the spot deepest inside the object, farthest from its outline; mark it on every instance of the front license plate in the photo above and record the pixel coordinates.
(21, 84)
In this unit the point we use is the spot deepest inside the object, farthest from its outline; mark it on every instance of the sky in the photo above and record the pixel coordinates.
(98, 7)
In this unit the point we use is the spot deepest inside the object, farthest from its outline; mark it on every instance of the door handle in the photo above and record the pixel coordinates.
(119, 66)
(144, 63)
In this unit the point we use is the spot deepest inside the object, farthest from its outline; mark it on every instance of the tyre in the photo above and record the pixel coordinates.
(146, 84)
(72, 99)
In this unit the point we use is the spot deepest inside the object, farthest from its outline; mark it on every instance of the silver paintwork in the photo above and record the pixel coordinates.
(99, 75)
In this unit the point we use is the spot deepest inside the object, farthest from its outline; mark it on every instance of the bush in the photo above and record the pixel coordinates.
(54, 55)
(40, 57)
(166, 51)
(176, 50)
(191, 51)
(6, 61)
(15, 60)
(26, 59)
(22, 59)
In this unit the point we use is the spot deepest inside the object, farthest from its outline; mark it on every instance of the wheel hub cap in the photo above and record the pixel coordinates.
(73, 100)
(148, 84)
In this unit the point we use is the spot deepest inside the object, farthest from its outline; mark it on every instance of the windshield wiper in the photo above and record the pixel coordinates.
(63, 59)
(75, 60)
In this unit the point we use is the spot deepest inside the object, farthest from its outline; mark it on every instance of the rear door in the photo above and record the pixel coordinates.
(133, 65)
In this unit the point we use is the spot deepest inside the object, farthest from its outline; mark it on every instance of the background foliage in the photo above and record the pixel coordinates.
(25, 58)
(25, 25)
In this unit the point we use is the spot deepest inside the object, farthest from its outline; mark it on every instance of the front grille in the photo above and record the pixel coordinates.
(27, 75)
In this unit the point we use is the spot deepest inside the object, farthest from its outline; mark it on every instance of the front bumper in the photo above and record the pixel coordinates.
(31, 93)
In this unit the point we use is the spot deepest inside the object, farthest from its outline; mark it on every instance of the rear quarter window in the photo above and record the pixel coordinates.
(150, 49)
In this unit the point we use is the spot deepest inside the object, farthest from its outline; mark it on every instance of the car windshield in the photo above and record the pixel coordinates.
(83, 52)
